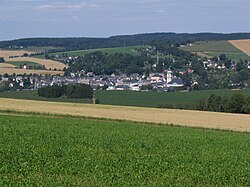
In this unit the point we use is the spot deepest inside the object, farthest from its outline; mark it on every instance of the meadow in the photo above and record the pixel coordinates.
(154, 99)
(60, 151)
(18, 63)
(216, 48)
(132, 98)
(32, 95)
(128, 50)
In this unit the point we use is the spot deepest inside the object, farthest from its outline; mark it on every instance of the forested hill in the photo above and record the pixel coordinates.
(119, 41)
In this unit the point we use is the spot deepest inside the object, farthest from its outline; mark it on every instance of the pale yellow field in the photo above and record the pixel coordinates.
(237, 122)
(12, 70)
(7, 53)
(5, 65)
(49, 64)
(243, 45)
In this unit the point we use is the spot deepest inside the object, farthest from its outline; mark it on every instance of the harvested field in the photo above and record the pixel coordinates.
(6, 65)
(237, 122)
(11, 70)
(243, 45)
(7, 53)
(49, 64)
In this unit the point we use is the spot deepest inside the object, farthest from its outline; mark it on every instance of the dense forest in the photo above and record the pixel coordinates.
(119, 41)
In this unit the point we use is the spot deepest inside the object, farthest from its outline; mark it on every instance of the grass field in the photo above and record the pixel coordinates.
(32, 95)
(153, 99)
(215, 48)
(238, 122)
(129, 50)
(131, 98)
(18, 63)
(50, 151)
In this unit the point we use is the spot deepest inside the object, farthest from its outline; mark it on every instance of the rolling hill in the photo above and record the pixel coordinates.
(216, 48)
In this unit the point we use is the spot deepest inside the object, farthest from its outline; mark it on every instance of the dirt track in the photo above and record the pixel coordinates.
(237, 122)
(243, 45)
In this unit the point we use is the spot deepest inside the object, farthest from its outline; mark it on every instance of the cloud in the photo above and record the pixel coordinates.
(78, 6)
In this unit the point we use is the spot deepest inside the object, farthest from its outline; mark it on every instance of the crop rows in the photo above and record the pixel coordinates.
(52, 151)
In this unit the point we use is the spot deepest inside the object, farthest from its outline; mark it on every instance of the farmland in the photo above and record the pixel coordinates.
(243, 45)
(153, 99)
(8, 67)
(131, 98)
(51, 151)
(237, 122)
(18, 63)
(29, 71)
(129, 50)
(32, 95)
(215, 48)
(49, 64)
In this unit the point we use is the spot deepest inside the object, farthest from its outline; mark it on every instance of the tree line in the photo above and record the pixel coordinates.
(69, 91)
(82, 43)
(237, 103)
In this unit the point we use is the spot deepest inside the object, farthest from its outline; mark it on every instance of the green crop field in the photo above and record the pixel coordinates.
(18, 63)
(215, 48)
(129, 50)
(32, 95)
(60, 151)
(131, 98)
(153, 99)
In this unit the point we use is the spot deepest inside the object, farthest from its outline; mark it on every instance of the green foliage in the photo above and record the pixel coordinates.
(2, 60)
(48, 151)
(70, 91)
(33, 95)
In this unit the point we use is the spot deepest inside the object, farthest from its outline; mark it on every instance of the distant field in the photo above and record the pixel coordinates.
(243, 45)
(237, 122)
(129, 50)
(49, 64)
(153, 99)
(7, 53)
(50, 151)
(17, 71)
(6, 65)
(18, 63)
(215, 48)
(32, 95)
(131, 98)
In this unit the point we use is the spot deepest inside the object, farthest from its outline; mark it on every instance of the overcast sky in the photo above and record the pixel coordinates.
(103, 18)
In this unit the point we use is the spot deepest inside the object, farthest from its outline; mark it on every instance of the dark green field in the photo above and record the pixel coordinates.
(50, 151)
(128, 50)
(153, 99)
(216, 48)
(32, 95)
(132, 98)
(18, 63)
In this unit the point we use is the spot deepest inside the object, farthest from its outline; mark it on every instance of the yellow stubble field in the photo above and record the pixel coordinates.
(237, 122)
(243, 45)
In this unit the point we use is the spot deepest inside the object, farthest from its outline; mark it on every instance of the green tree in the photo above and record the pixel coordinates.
(2, 60)
(236, 103)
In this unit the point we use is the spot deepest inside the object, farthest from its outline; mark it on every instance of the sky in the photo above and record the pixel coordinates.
(104, 18)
